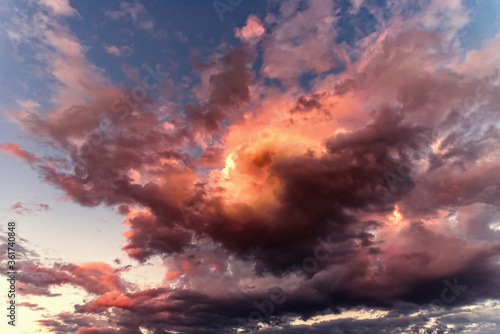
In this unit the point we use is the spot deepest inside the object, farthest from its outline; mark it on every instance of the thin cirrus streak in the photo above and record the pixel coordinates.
(374, 188)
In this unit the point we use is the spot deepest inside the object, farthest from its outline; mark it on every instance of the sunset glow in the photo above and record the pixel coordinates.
(250, 166)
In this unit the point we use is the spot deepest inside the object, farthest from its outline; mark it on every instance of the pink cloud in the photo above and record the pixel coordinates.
(59, 7)
(302, 42)
(284, 166)
(252, 31)
(16, 150)
(29, 208)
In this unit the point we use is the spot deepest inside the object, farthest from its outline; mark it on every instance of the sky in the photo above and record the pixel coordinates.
(251, 166)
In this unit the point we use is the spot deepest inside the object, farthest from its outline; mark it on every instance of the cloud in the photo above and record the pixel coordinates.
(307, 103)
(96, 278)
(116, 51)
(112, 50)
(92, 330)
(32, 306)
(356, 4)
(301, 43)
(28, 104)
(59, 7)
(134, 11)
(16, 150)
(252, 31)
(181, 37)
(372, 187)
(61, 56)
(21, 208)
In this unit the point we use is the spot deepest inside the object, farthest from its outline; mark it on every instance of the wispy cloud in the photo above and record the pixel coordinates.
(28, 208)
(134, 11)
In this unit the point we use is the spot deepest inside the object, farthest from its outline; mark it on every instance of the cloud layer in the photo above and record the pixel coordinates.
(373, 187)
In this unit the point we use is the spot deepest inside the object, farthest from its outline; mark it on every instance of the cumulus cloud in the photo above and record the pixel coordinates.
(252, 31)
